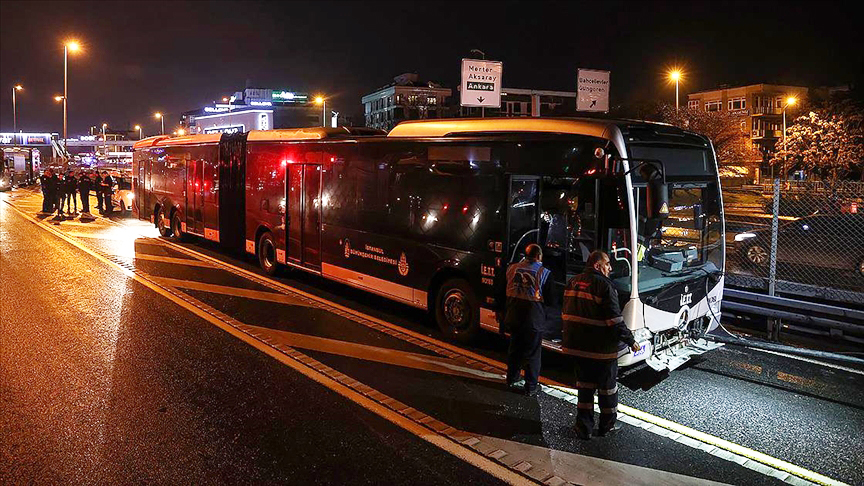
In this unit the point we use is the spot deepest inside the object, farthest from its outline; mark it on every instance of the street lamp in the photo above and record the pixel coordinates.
(790, 101)
(319, 100)
(161, 119)
(675, 75)
(69, 46)
(15, 88)
(138, 127)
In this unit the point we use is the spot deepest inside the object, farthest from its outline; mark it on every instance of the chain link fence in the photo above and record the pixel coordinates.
(797, 239)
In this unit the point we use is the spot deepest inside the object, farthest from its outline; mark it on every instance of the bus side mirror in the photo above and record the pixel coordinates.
(656, 193)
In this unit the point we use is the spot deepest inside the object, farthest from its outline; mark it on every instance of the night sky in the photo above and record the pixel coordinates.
(176, 56)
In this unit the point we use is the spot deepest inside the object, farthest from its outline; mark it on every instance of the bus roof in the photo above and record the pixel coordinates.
(313, 133)
(165, 140)
(443, 128)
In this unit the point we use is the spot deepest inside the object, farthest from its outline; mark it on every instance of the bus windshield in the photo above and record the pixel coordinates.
(689, 242)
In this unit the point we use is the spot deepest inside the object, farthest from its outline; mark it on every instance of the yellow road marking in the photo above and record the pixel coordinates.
(233, 291)
(373, 353)
(466, 454)
(179, 261)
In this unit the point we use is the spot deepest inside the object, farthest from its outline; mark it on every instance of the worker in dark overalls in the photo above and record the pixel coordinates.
(593, 332)
(528, 292)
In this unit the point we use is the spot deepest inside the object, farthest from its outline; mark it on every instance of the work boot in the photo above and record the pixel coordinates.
(515, 385)
(582, 432)
(531, 390)
(611, 431)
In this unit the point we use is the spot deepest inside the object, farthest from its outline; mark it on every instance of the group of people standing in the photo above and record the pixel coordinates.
(61, 192)
(594, 333)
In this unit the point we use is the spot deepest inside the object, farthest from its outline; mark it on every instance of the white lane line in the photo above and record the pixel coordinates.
(810, 360)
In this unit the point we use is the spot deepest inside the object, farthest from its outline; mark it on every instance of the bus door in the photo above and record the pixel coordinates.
(523, 215)
(194, 196)
(304, 214)
(139, 202)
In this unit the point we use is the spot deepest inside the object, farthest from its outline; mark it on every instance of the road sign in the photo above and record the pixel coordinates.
(481, 83)
(593, 90)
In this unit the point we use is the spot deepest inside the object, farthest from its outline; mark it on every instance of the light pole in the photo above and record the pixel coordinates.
(319, 100)
(104, 141)
(675, 75)
(70, 46)
(161, 119)
(15, 88)
(789, 101)
(138, 127)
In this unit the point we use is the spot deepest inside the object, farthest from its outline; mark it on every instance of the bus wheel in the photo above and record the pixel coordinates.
(164, 230)
(267, 254)
(457, 311)
(177, 228)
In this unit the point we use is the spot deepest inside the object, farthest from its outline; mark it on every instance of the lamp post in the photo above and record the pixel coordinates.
(15, 88)
(789, 101)
(161, 119)
(675, 75)
(319, 100)
(140, 136)
(70, 46)
(104, 141)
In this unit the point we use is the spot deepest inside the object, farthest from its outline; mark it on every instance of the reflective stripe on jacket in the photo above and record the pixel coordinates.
(593, 325)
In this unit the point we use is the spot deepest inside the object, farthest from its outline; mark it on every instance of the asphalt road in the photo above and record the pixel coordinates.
(106, 380)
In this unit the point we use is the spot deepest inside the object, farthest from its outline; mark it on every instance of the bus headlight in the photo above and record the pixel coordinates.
(744, 236)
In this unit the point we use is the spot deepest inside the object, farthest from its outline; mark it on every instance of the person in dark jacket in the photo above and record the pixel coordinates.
(529, 290)
(59, 192)
(97, 188)
(84, 187)
(71, 192)
(593, 329)
(48, 190)
(107, 191)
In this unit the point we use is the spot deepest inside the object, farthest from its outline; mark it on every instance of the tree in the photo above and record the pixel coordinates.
(731, 140)
(828, 143)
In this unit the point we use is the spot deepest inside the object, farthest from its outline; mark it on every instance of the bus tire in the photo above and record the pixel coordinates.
(457, 311)
(177, 228)
(164, 230)
(266, 250)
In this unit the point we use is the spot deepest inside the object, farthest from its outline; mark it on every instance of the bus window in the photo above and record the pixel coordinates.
(523, 215)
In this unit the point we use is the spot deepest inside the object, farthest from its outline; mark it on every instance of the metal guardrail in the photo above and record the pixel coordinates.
(829, 319)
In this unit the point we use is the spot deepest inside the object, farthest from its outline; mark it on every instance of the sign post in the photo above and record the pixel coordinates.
(593, 90)
(481, 83)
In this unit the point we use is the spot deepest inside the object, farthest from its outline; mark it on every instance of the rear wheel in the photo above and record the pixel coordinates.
(457, 311)
(177, 228)
(267, 254)
(164, 229)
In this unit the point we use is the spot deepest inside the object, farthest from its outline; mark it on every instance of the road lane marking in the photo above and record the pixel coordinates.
(759, 460)
(810, 360)
(377, 354)
(300, 363)
(231, 291)
(172, 260)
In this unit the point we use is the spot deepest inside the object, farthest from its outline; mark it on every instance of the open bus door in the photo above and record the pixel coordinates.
(194, 197)
(523, 215)
(304, 214)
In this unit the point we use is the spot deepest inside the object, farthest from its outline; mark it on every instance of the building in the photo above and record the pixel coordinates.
(255, 109)
(405, 99)
(760, 107)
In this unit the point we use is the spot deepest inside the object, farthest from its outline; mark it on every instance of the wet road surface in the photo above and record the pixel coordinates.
(110, 381)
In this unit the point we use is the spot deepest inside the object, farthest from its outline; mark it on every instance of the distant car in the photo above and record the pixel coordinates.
(819, 241)
(123, 195)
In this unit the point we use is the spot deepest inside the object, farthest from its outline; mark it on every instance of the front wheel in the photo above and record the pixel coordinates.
(267, 254)
(457, 311)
